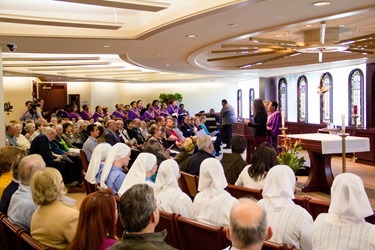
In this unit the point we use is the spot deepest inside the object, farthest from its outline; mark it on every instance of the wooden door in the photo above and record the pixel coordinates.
(54, 96)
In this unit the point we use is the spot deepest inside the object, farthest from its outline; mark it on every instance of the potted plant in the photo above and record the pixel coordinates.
(168, 97)
(289, 155)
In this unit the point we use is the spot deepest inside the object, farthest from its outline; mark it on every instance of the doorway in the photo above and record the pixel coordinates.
(54, 96)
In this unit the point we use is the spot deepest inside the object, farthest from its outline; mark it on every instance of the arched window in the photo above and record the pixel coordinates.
(326, 97)
(302, 98)
(283, 97)
(251, 99)
(356, 92)
(239, 103)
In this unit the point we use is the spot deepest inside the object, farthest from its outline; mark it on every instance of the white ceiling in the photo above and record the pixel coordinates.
(151, 46)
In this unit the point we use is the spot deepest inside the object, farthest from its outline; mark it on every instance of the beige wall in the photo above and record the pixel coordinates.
(17, 90)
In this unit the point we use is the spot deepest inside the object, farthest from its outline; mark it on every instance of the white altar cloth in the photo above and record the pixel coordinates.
(332, 144)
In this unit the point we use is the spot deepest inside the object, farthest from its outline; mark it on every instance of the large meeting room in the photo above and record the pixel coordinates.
(187, 124)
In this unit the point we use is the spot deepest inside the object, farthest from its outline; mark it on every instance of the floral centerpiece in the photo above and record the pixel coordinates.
(289, 155)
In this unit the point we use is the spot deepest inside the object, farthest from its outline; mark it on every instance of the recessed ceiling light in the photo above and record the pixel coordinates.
(106, 46)
(279, 35)
(191, 36)
(157, 54)
(167, 65)
(308, 25)
(321, 3)
(233, 24)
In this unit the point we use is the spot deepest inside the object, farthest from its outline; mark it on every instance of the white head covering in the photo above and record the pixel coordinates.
(168, 174)
(98, 156)
(137, 173)
(117, 152)
(348, 198)
(278, 187)
(211, 177)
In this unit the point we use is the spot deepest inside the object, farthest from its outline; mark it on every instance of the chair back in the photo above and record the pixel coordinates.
(302, 201)
(240, 192)
(83, 157)
(89, 188)
(191, 183)
(29, 243)
(167, 221)
(9, 234)
(119, 226)
(316, 207)
(197, 235)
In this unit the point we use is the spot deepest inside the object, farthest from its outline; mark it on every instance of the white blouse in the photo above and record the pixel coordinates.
(244, 180)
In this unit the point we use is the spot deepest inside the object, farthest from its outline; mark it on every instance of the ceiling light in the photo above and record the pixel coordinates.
(191, 36)
(279, 35)
(106, 46)
(167, 65)
(321, 3)
(233, 24)
(308, 25)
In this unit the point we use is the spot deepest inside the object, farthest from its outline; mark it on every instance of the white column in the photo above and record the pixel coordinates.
(2, 113)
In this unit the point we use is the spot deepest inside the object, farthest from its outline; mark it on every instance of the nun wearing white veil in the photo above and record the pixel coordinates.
(112, 174)
(344, 226)
(290, 223)
(173, 200)
(212, 204)
(97, 161)
(142, 169)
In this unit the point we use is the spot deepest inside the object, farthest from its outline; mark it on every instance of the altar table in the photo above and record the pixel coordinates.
(320, 148)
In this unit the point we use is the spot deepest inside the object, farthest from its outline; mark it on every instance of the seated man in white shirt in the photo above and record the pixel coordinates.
(248, 225)
(22, 206)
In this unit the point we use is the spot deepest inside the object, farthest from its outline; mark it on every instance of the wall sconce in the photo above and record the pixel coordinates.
(8, 107)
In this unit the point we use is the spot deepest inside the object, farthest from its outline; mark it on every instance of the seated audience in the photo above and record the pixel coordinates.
(186, 128)
(8, 155)
(97, 161)
(112, 136)
(173, 200)
(344, 227)
(67, 134)
(254, 175)
(139, 214)
(154, 146)
(22, 206)
(112, 174)
(54, 223)
(212, 204)
(202, 120)
(205, 150)
(143, 168)
(77, 137)
(12, 187)
(248, 225)
(97, 222)
(290, 223)
(91, 142)
(22, 141)
(233, 163)
(187, 149)
(10, 131)
(29, 129)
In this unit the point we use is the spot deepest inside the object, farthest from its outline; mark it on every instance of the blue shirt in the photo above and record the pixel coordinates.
(22, 207)
(115, 178)
(89, 146)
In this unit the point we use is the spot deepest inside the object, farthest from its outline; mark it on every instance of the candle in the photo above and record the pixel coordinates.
(355, 109)
(343, 123)
(282, 119)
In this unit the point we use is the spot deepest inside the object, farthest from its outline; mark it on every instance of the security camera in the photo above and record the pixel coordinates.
(12, 47)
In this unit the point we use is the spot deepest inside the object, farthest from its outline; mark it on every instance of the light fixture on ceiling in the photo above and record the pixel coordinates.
(321, 3)
(106, 46)
(191, 36)
(308, 25)
(232, 24)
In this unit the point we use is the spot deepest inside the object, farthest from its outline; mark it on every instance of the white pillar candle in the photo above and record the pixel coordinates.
(343, 123)
(282, 119)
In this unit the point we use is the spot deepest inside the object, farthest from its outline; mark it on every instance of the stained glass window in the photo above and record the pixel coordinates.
(283, 97)
(239, 103)
(302, 98)
(326, 97)
(356, 97)
(251, 99)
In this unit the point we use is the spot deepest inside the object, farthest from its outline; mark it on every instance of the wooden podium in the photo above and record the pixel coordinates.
(248, 133)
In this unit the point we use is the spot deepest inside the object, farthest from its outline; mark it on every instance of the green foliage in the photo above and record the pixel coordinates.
(168, 97)
(289, 155)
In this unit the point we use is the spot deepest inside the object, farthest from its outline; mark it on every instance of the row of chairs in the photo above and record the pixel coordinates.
(14, 237)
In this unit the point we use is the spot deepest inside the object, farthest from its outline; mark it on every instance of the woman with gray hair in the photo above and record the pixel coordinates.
(22, 141)
(54, 223)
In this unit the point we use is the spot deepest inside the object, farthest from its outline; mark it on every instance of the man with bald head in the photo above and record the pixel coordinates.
(248, 225)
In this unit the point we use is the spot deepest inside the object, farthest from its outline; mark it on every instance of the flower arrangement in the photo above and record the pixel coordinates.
(289, 155)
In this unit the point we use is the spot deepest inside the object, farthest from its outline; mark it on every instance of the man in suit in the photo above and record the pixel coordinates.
(228, 117)
(41, 145)
(112, 136)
